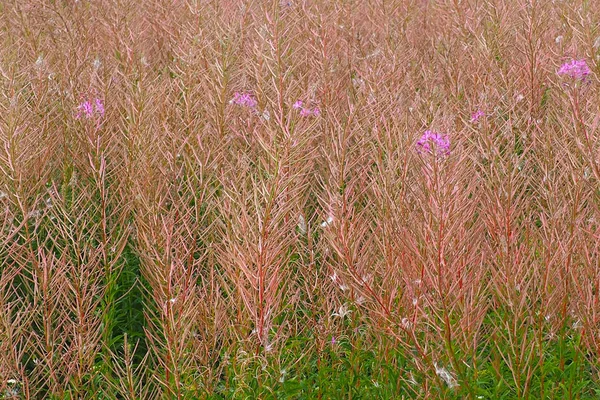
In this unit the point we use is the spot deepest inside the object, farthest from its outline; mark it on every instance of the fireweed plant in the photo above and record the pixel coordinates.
(299, 200)
(89, 109)
(244, 99)
(304, 111)
(575, 69)
(434, 143)
(477, 115)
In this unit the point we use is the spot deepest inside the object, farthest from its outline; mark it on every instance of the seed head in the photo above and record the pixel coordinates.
(445, 376)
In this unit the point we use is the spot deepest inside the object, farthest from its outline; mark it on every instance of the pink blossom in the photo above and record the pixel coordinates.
(244, 99)
(440, 141)
(87, 109)
(305, 112)
(100, 107)
(576, 69)
(476, 115)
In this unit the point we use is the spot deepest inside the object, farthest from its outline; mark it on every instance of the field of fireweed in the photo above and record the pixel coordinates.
(306, 199)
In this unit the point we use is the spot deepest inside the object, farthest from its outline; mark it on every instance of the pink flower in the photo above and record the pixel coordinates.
(305, 112)
(476, 115)
(576, 69)
(100, 107)
(244, 99)
(87, 109)
(440, 141)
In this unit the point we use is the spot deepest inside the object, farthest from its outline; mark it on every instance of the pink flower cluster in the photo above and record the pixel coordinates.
(576, 69)
(87, 109)
(440, 142)
(305, 112)
(476, 115)
(244, 99)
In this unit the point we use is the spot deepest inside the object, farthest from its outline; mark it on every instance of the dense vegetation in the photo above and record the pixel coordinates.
(305, 199)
